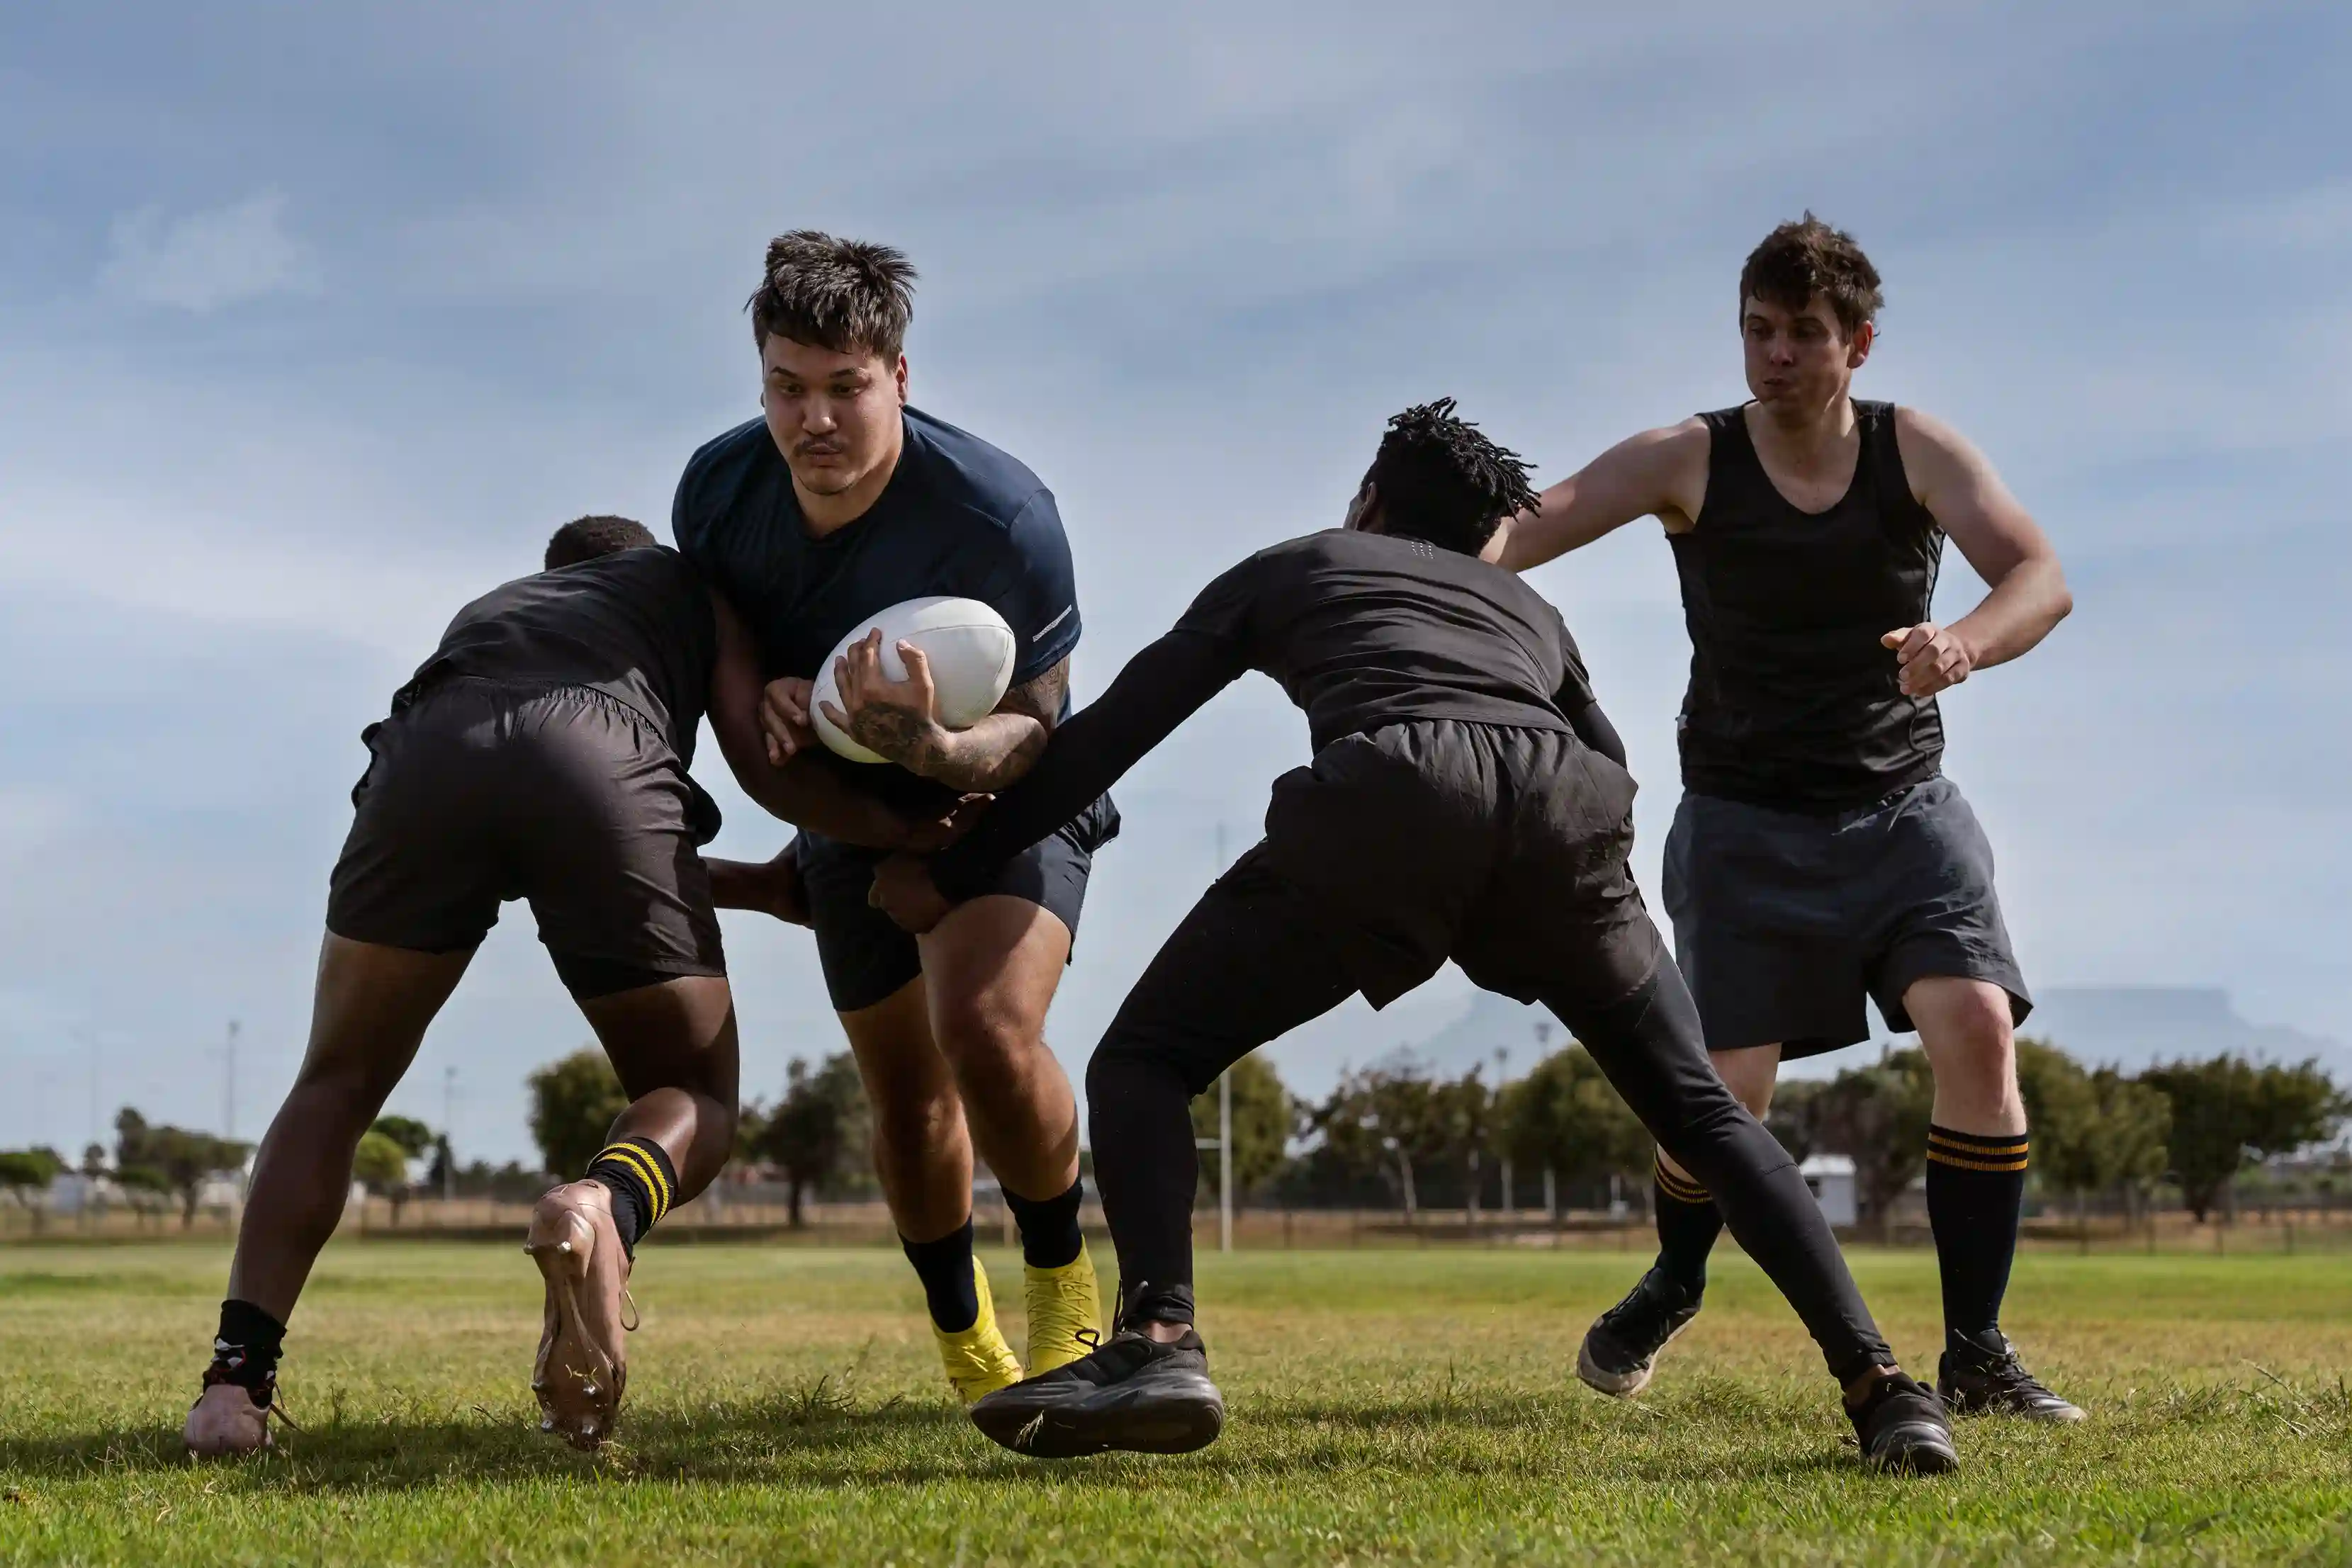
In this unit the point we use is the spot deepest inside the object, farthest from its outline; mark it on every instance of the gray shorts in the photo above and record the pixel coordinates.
(1785, 921)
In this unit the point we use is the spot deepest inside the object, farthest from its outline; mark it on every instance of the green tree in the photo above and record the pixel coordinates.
(574, 1104)
(25, 1172)
(1397, 1119)
(821, 1123)
(2093, 1132)
(1265, 1118)
(2228, 1111)
(184, 1159)
(381, 1165)
(413, 1135)
(1565, 1117)
(1877, 1117)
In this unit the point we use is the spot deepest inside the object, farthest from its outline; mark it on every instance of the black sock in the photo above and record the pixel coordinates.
(1688, 1223)
(945, 1269)
(1976, 1190)
(247, 1347)
(643, 1183)
(1050, 1237)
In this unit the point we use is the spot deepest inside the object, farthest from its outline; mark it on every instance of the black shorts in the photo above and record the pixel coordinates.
(1502, 849)
(866, 959)
(1785, 921)
(482, 792)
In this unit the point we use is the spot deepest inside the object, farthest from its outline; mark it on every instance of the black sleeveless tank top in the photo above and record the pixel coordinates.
(1793, 701)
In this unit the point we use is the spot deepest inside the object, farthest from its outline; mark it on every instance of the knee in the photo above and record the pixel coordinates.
(1973, 1051)
(914, 1121)
(984, 1040)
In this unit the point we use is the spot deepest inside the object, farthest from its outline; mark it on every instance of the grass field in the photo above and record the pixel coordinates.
(1387, 1407)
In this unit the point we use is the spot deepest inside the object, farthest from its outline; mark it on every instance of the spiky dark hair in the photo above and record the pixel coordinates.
(585, 538)
(851, 296)
(1440, 480)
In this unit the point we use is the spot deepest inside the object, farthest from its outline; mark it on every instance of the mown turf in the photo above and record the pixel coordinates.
(1387, 1407)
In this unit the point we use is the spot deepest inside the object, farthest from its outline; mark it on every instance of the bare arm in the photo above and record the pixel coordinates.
(1998, 537)
(1661, 472)
(800, 789)
(898, 719)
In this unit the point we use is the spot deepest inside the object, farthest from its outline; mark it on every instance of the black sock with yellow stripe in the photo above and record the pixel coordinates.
(1688, 1224)
(1976, 1191)
(643, 1183)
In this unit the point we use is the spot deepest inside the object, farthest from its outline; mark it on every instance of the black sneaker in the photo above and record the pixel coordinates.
(1902, 1428)
(1133, 1394)
(1980, 1376)
(1621, 1349)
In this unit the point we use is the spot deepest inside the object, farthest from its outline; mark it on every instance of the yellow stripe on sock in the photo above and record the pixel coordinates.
(1682, 1189)
(1939, 1157)
(1990, 1146)
(629, 1154)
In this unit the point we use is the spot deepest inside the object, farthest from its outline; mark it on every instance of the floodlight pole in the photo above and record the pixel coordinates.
(229, 1086)
(448, 1147)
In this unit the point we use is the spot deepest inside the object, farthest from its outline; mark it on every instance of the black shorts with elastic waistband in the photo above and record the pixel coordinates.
(1499, 847)
(482, 791)
(867, 959)
(1785, 921)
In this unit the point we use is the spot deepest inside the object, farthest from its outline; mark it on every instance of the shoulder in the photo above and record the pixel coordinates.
(982, 481)
(715, 471)
(1673, 452)
(1933, 453)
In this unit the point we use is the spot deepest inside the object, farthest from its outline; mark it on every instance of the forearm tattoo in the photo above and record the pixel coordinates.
(983, 760)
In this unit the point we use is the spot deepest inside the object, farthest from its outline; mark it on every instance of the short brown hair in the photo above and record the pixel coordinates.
(1807, 260)
(585, 538)
(850, 295)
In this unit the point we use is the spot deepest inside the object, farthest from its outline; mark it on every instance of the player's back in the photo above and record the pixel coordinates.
(636, 624)
(1364, 630)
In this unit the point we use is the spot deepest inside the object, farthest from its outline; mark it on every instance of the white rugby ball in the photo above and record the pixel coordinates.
(971, 651)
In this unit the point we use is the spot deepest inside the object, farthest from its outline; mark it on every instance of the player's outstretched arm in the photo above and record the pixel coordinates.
(801, 789)
(1161, 687)
(2000, 539)
(1659, 471)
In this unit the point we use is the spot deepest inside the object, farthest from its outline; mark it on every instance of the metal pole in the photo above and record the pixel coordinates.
(1225, 1162)
(229, 1086)
(448, 1144)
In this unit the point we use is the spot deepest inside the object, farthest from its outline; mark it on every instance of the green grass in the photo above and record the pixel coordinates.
(1387, 1407)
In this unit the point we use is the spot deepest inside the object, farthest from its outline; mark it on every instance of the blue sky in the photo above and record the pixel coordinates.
(316, 319)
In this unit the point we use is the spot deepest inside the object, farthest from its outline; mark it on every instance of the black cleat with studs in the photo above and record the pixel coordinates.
(1621, 1349)
(1134, 1393)
(1980, 1376)
(1902, 1428)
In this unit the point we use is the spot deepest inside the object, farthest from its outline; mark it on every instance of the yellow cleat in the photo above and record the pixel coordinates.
(1064, 1313)
(978, 1360)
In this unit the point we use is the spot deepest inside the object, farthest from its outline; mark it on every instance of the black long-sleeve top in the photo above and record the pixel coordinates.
(1361, 629)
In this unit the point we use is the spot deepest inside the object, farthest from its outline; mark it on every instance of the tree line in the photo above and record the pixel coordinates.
(1396, 1135)
(1399, 1135)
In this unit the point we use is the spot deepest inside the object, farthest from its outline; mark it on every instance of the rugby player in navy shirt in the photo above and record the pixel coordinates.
(837, 503)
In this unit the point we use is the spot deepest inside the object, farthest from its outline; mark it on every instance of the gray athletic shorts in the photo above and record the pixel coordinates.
(1785, 921)
(482, 792)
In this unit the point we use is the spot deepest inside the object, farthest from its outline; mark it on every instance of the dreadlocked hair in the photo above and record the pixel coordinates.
(1440, 480)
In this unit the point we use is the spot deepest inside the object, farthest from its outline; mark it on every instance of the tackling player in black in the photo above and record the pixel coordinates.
(1467, 801)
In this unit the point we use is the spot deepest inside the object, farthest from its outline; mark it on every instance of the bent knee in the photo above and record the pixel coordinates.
(980, 1034)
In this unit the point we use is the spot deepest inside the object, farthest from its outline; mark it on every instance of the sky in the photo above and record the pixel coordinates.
(315, 320)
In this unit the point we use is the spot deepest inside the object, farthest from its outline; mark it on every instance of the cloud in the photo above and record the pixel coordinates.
(222, 255)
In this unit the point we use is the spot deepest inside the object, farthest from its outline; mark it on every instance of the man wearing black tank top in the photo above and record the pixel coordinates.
(1819, 855)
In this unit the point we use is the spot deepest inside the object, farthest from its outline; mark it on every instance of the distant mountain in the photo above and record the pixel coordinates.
(2134, 1025)
(1453, 1028)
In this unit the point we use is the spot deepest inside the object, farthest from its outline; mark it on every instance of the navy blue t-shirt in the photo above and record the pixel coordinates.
(958, 517)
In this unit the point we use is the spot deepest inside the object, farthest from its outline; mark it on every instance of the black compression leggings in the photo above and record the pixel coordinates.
(1249, 964)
